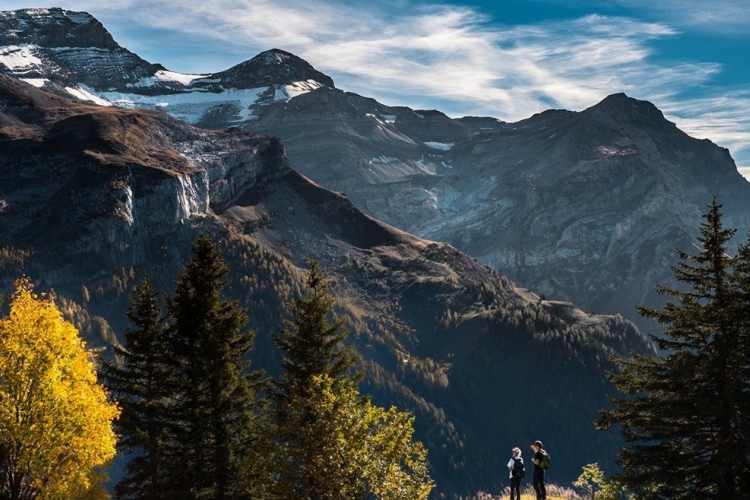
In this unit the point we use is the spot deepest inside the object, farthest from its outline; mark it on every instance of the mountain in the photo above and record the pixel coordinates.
(580, 206)
(583, 206)
(72, 54)
(93, 199)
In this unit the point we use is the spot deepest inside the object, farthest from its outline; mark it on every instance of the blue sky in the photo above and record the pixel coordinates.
(502, 58)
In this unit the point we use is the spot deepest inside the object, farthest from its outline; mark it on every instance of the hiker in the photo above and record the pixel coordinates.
(517, 471)
(539, 454)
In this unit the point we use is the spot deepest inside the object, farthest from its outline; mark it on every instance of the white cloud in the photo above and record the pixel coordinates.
(718, 16)
(724, 119)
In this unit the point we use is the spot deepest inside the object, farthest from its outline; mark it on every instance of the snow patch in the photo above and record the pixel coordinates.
(442, 146)
(381, 118)
(384, 160)
(191, 106)
(85, 94)
(164, 76)
(288, 92)
(36, 82)
(302, 87)
(614, 151)
(19, 59)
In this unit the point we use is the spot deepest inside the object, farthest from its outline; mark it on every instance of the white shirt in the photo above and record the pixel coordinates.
(511, 463)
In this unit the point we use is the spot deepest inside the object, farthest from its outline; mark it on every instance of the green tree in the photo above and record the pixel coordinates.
(351, 448)
(216, 398)
(684, 414)
(141, 381)
(55, 419)
(593, 481)
(311, 343)
(330, 441)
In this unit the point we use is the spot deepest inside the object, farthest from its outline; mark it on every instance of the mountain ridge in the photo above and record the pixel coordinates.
(584, 206)
(62, 28)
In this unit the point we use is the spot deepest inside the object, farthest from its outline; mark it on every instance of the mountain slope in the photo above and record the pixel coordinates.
(93, 199)
(583, 206)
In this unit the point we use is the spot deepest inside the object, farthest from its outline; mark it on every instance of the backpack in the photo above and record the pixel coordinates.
(519, 470)
(544, 462)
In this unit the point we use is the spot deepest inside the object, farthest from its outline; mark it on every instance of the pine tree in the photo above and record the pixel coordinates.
(684, 413)
(311, 343)
(215, 399)
(331, 441)
(312, 347)
(738, 367)
(140, 381)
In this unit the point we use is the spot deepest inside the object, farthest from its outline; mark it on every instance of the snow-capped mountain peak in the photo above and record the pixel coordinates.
(72, 54)
(53, 28)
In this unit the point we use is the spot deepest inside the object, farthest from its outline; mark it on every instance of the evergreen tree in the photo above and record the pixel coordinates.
(140, 381)
(331, 443)
(739, 370)
(312, 347)
(684, 414)
(215, 400)
(311, 343)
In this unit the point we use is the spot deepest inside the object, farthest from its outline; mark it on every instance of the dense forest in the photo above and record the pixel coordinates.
(191, 416)
(195, 418)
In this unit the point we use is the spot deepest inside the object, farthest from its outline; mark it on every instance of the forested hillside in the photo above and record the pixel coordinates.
(94, 200)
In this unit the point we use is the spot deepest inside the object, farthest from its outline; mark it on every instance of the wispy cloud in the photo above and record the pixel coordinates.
(454, 58)
(719, 16)
(725, 119)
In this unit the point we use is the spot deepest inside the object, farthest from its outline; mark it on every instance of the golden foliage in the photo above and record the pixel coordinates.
(55, 420)
(354, 449)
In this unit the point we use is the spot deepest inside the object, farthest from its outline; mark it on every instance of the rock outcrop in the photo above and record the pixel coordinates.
(120, 177)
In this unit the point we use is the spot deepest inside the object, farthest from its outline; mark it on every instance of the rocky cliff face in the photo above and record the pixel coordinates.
(119, 177)
(93, 199)
(272, 67)
(585, 206)
(54, 28)
(64, 50)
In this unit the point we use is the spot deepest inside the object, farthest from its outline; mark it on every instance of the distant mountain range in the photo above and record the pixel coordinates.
(581, 206)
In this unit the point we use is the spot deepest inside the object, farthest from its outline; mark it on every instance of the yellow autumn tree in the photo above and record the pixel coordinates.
(55, 419)
(349, 448)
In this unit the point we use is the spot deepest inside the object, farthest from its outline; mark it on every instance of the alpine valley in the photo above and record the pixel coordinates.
(110, 167)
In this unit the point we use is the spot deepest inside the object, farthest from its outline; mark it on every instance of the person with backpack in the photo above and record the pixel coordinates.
(541, 464)
(517, 471)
